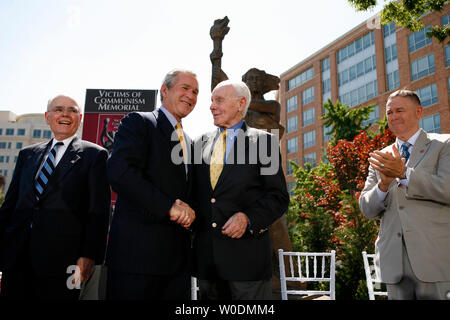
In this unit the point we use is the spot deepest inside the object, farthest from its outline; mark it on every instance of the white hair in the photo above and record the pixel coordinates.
(50, 101)
(241, 90)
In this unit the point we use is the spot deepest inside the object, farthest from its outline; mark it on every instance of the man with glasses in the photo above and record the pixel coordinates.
(54, 220)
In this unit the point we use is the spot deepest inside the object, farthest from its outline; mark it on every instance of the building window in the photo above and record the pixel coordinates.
(431, 124)
(326, 86)
(2, 159)
(355, 47)
(292, 145)
(326, 64)
(309, 139)
(1, 131)
(390, 53)
(445, 19)
(393, 80)
(419, 39)
(291, 124)
(359, 95)
(428, 95)
(36, 133)
(290, 166)
(308, 117)
(2, 145)
(301, 78)
(47, 134)
(357, 70)
(291, 104)
(9, 132)
(327, 135)
(373, 116)
(308, 95)
(19, 145)
(448, 86)
(422, 67)
(310, 158)
(388, 29)
(20, 132)
(447, 56)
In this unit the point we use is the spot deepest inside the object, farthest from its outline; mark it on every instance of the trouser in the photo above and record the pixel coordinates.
(129, 286)
(22, 282)
(235, 290)
(411, 288)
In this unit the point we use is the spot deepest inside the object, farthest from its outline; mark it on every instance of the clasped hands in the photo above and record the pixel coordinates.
(389, 165)
(182, 213)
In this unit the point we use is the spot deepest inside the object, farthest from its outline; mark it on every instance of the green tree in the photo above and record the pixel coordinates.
(346, 123)
(407, 14)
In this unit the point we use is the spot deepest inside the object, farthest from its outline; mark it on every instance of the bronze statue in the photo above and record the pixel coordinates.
(218, 31)
(261, 114)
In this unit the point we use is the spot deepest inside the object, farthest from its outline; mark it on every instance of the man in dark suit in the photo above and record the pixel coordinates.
(149, 243)
(240, 191)
(56, 211)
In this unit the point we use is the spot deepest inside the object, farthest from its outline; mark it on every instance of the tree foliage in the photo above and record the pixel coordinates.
(346, 123)
(408, 14)
(324, 213)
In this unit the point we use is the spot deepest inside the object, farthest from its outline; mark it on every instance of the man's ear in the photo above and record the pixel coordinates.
(164, 90)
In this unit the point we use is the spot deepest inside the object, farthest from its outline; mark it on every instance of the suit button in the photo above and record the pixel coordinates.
(213, 200)
(214, 224)
(399, 235)
(401, 207)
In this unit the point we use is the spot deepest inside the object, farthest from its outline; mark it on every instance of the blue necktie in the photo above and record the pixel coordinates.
(405, 152)
(46, 171)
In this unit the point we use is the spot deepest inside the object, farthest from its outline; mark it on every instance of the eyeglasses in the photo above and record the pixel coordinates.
(61, 110)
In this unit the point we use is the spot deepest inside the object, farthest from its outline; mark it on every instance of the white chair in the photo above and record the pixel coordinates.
(194, 288)
(323, 270)
(372, 277)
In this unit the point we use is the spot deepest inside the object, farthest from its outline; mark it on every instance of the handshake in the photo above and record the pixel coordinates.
(182, 213)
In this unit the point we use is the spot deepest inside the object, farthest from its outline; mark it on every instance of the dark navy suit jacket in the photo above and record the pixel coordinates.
(142, 239)
(69, 221)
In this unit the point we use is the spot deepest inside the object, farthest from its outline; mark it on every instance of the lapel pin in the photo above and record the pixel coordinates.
(422, 151)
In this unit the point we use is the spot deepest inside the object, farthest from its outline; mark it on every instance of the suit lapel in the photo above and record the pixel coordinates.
(419, 149)
(234, 157)
(169, 132)
(68, 160)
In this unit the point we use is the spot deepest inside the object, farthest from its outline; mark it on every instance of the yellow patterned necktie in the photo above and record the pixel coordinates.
(217, 158)
(180, 134)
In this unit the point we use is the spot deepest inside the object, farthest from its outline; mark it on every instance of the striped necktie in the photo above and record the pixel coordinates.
(180, 134)
(405, 151)
(46, 171)
(217, 158)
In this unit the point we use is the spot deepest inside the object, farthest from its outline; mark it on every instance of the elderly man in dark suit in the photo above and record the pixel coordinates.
(408, 187)
(56, 211)
(149, 240)
(239, 191)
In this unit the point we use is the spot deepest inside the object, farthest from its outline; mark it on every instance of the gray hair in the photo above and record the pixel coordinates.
(406, 94)
(50, 101)
(172, 77)
(241, 90)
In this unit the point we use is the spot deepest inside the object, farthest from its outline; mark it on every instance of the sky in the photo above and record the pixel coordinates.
(50, 47)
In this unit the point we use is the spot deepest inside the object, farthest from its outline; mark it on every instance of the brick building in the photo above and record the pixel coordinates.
(362, 67)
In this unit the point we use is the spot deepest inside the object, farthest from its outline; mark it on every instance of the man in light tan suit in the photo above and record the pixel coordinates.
(408, 186)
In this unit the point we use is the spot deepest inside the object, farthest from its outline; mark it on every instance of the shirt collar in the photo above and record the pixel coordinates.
(234, 128)
(412, 140)
(66, 142)
(169, 116)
